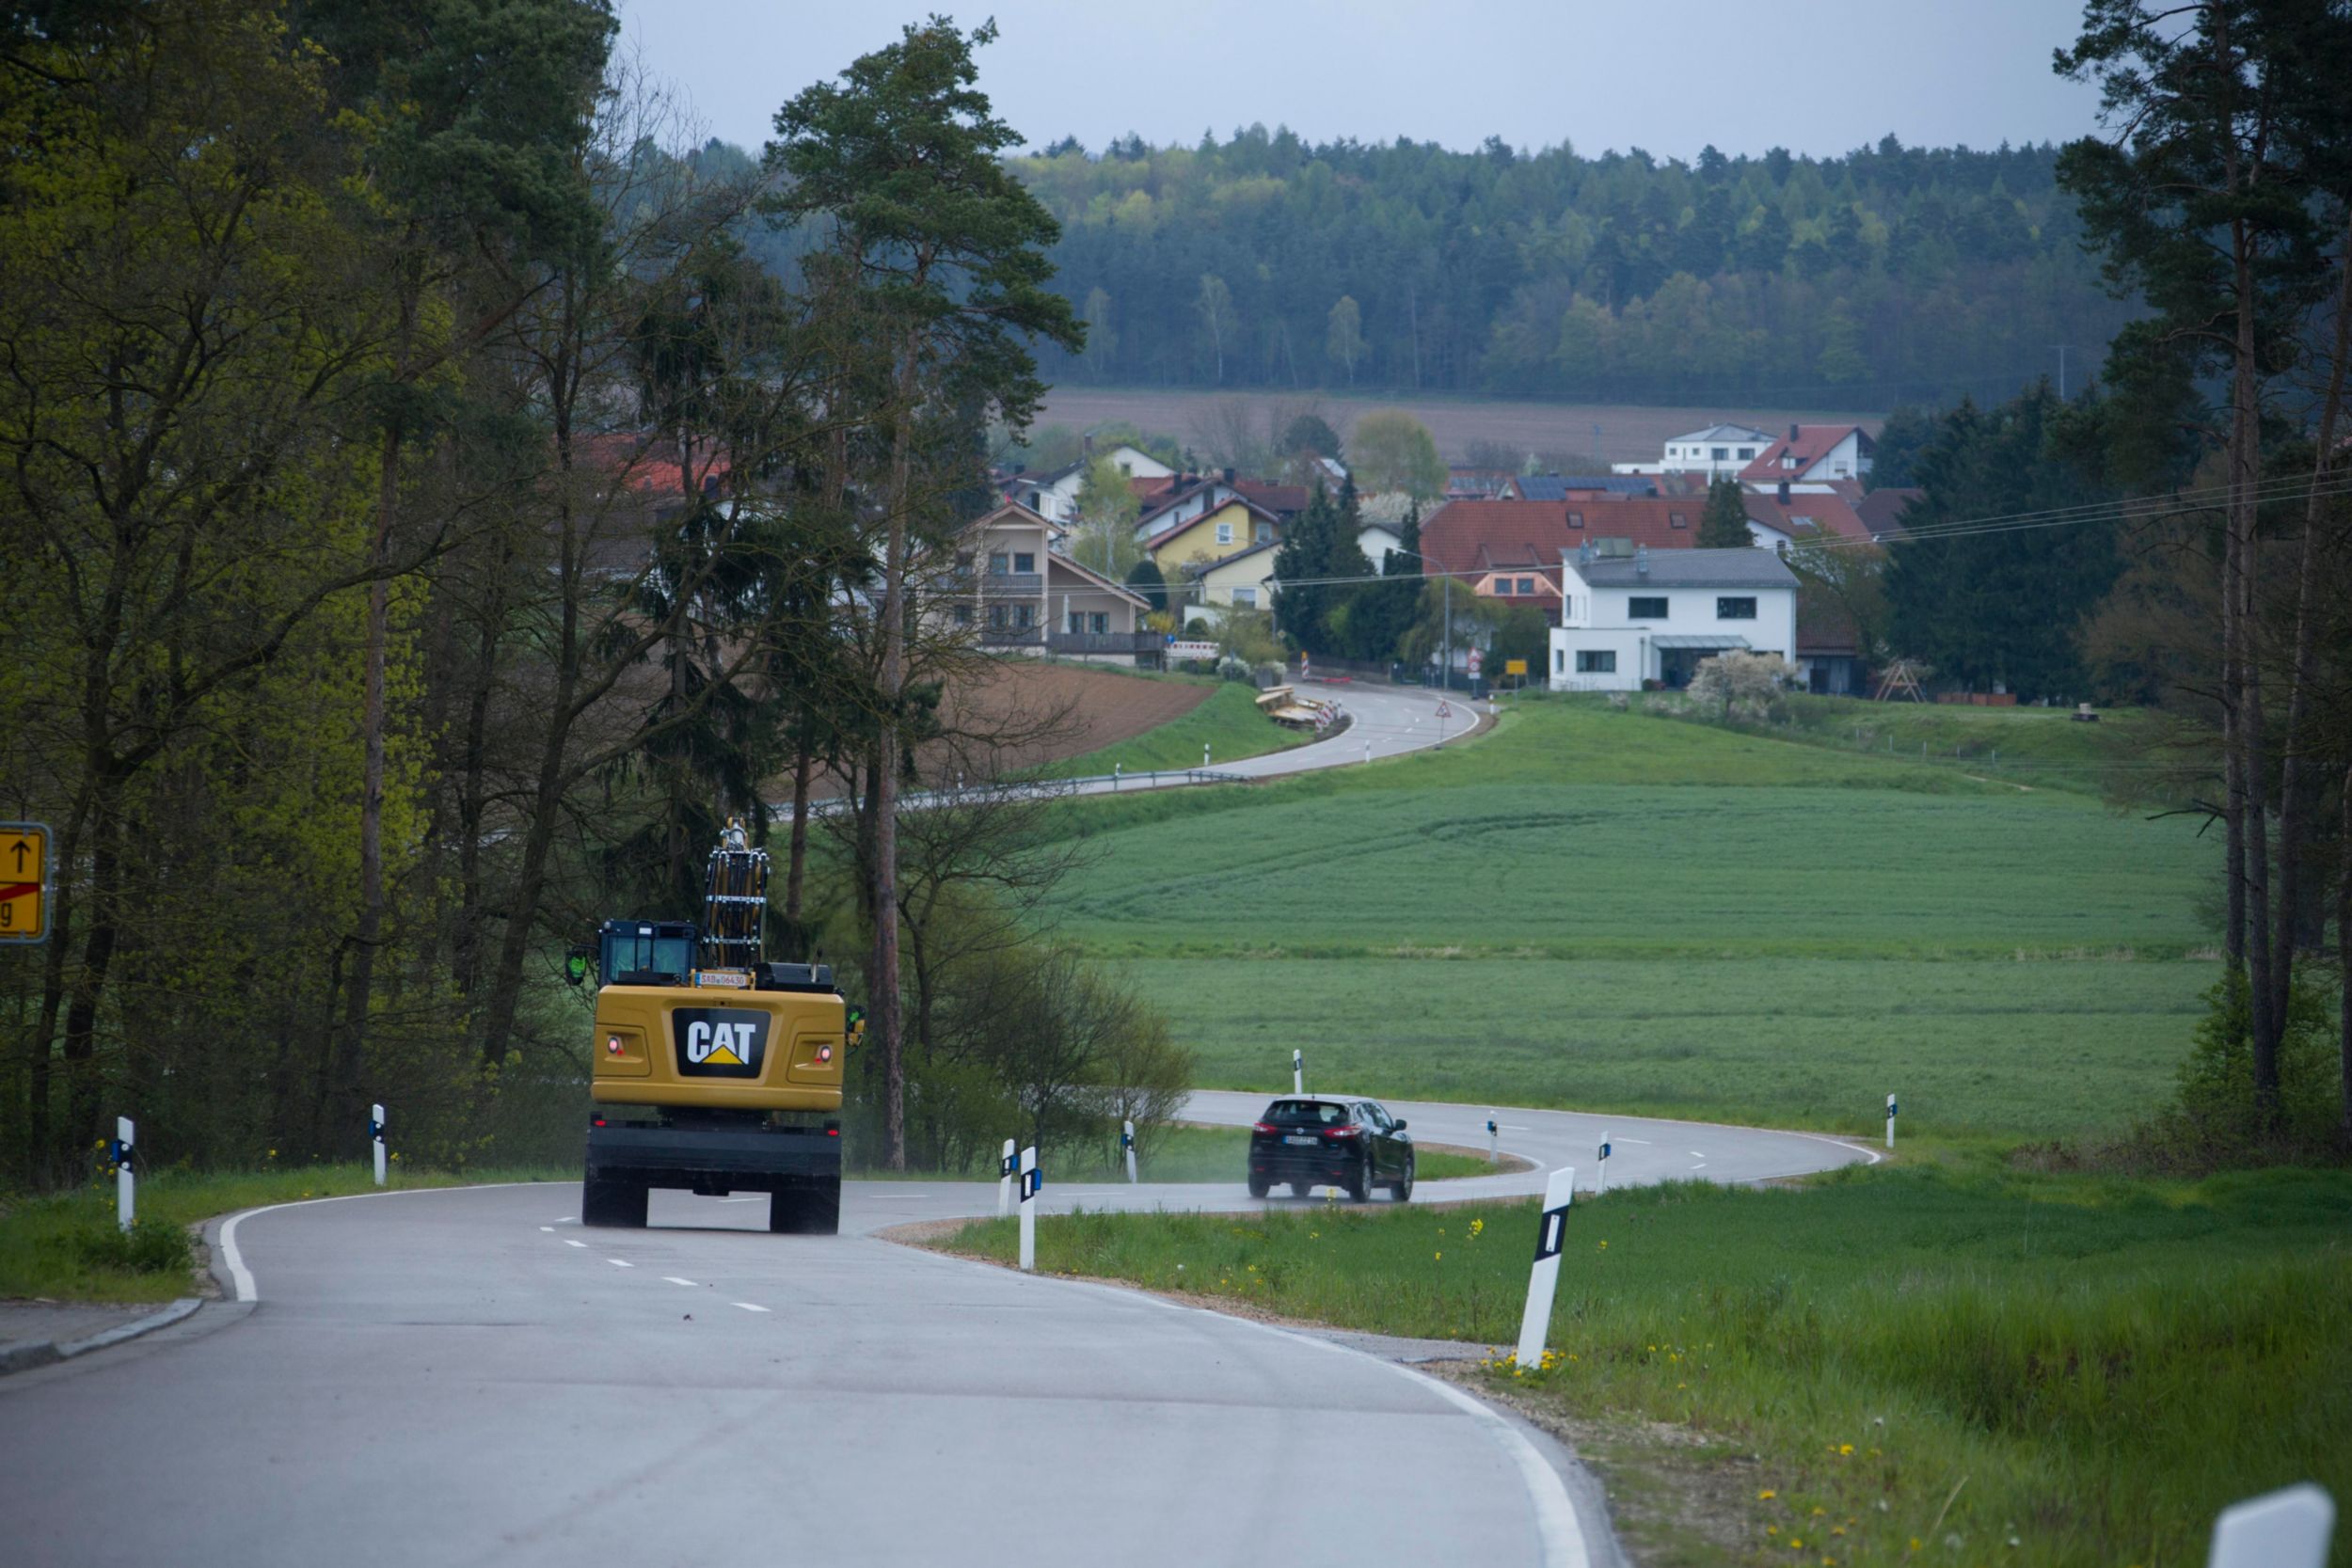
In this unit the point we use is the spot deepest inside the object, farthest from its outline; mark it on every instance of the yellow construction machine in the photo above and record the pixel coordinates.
(716, 1071)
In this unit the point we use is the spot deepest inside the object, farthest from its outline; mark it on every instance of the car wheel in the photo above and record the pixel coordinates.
(1301, 1189)
(1359, 1186)
(1259, 1186)
(1402, 1188)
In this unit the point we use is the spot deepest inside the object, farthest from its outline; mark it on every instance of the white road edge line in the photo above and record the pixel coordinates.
(748, 1306)
(1557, 1527)
(242, 1278)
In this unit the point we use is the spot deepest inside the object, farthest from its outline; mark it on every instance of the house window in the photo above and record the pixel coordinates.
(1646, 609)
(963, 615)
(1596, 662)
(1721, 454)
(1558, 661)
(999, 564)
(1747, 452)
(1099, 621)
(1789, 460)
(1576, 519)
(1265, 534)
(1245, 598)
(1024, 616)
(1024, 562)
(996, 615)
(1224, 534)
(1735, 609)
(1527, 585)
(1678, 519)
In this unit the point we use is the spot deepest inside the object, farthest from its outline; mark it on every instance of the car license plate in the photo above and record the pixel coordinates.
(1308, 1142)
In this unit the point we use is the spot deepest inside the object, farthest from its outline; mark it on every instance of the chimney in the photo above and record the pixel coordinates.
(1792, 433)
(1228, 476)
(1585, 553)
(1640, 561)
(1784, 491)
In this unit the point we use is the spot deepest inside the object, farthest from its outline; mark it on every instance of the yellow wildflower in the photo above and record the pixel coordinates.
(1766, 1496)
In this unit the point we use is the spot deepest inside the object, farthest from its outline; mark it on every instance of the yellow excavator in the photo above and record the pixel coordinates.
(716, 1071)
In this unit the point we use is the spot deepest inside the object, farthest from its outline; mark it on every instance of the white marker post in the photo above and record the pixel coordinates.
(1117, 769)
(2287, 1529)
(1204, 753)
(1494, 1144)
(1299, 1072)
(1890, 1123)
(1127, 1147)
(1031, 1180)
(1559, 1191)
(1604, 1166)
(376, 1136)
(126, 1184)
(1005, 1169)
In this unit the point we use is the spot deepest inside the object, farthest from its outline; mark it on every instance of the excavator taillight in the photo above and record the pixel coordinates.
(824, 1052)
(612, 1044)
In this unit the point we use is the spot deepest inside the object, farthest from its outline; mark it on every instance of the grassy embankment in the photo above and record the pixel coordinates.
(1229, 723)
(1810, 1375)
(1608, 910)
(65, 1246)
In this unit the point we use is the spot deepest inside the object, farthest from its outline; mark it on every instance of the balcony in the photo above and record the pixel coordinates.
(1104, 643)
(996, 585)
(1012, 637)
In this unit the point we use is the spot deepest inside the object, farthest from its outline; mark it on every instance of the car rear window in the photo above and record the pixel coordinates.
(1312, 1113)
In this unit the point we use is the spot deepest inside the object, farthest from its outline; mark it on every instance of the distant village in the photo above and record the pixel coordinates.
(1610, 561)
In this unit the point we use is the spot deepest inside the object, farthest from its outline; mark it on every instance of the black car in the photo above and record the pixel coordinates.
(1331, 1141)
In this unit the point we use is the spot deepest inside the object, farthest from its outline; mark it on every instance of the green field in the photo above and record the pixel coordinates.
(2105, 1363)
(1229, 723)
(1972, 1045)
(1613, 911)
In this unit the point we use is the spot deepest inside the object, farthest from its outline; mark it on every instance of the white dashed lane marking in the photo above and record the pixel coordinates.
(749, 1308)
(570, 1242)
(676, 1280)
(548, 1228)
(620, 1263)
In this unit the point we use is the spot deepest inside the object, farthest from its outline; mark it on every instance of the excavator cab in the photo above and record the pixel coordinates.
(646, 952)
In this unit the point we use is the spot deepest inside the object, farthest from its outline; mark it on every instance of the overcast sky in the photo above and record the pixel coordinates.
(1818, 76)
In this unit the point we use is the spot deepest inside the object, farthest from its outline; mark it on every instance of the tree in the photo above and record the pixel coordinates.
(1104, 523)
(2209, 204)
(1908, 429)
(1214, 304)
(1308, 435)
(1389, 450)
(1724, 526)
(2000, 608)
(1319, 544)
(1146, 579)
(1344, 335)
(1102, 341)
(935, 250)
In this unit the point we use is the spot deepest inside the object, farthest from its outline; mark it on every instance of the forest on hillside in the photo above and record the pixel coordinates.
(1890, 275)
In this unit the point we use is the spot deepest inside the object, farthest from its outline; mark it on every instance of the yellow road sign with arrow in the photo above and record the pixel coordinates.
(24, 883)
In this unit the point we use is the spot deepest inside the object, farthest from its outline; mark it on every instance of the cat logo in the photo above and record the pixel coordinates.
(720, 1042)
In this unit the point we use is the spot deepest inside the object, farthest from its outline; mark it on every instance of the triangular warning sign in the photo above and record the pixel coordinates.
(723, 1056)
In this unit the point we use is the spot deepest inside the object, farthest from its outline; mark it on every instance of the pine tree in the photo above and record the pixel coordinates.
(1724, 526)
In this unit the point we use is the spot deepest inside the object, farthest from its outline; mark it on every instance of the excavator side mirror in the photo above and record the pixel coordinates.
(576, 966)
(856, 1024)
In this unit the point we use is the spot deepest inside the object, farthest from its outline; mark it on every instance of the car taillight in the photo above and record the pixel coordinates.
(1341, 1131)
(1266, 1127)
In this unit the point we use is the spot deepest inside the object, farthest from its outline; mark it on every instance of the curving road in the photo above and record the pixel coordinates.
(468, 1376)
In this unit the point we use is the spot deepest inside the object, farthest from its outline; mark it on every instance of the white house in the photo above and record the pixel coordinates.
(1813, 454)
(1055, 497)
(1719, 451)
(1654, 615)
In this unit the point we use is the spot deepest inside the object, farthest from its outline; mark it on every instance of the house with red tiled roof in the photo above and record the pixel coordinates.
(1813, 454)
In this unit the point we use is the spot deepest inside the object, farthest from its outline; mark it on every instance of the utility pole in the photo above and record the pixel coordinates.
(2061, 351)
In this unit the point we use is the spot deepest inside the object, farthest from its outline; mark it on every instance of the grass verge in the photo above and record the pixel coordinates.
(1948, 1364)
(66, 1247)
(1229, 725)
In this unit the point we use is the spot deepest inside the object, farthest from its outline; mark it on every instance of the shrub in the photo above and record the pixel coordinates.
(150, 1246)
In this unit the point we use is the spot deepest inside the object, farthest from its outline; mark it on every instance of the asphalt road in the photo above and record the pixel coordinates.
(455, 1377)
